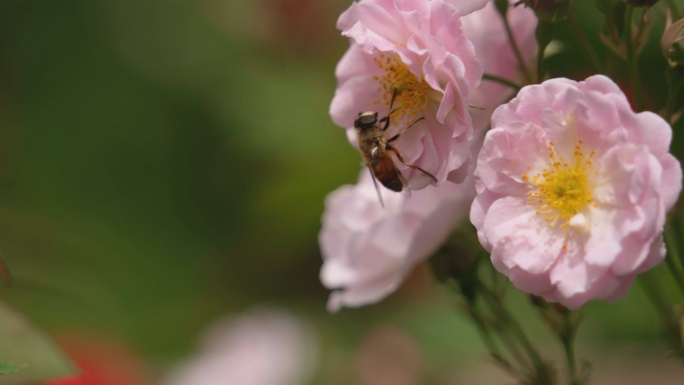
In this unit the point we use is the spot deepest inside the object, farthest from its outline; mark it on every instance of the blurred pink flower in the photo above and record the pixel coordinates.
(262, 347)
(486, 30)
(573, 187)
(416, 49)
(368, 250)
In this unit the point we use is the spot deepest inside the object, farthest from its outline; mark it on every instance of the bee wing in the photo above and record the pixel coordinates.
(406, 191)
(377, 188)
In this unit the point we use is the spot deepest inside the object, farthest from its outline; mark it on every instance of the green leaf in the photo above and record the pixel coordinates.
(22, 342)
(8, 367)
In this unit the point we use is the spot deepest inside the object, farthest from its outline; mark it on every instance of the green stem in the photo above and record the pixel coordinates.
(544, 34)
(516, 50)
(675, 9)
(486, 331)
(505, 316)
(500, 327)
(500, 80)
(540, 64)
(584, 43)
(512, 347)
(670, 320)
(611, 61)
(671, 258)
(670, 104)
(653, 293)
(675, 79)
(632, 62)
(568, 333)
(490, 344)
(677, 229)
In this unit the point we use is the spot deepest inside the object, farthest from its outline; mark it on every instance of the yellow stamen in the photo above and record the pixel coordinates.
(562, 189)
(411, 92)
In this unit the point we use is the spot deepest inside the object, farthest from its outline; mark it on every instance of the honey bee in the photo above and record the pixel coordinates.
(376, 151)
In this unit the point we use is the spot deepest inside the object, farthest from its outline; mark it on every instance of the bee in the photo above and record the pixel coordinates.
(376, 150)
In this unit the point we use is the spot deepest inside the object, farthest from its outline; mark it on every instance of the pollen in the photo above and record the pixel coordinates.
(412, 94)
(562, 189)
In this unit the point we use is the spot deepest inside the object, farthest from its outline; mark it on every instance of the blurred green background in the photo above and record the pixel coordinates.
(164, 163)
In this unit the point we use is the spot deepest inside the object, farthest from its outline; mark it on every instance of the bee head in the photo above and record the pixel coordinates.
(366, 120)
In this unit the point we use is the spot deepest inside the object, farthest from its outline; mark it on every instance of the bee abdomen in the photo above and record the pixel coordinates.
(393, 184)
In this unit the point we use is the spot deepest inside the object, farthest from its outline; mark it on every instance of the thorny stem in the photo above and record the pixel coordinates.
(513, 348)
(632, 63)
(484, 333)
(500, 80)
(488, 339)
(584, 43)
(489, 342)
(503, 313)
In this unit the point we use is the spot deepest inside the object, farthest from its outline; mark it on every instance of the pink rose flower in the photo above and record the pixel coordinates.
(368, 250)
(486, 30)
(261, 347)
(573, 187)
(416, 50)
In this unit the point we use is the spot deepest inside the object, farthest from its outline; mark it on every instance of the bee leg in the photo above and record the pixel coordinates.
(394, 95)
(413, 166)
(416, 121)
(395, 137)
(386, 119)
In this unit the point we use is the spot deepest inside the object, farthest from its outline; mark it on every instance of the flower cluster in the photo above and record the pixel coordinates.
(415, 52)
(571, 185)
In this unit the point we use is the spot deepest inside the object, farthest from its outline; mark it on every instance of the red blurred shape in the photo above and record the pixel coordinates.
(102, 361)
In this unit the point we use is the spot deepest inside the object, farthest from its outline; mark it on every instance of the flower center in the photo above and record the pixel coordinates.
(411, 93)
(562, 189)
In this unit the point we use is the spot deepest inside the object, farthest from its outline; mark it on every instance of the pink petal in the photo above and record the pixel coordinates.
(671, 183)
(519, 237)
(372, 17)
